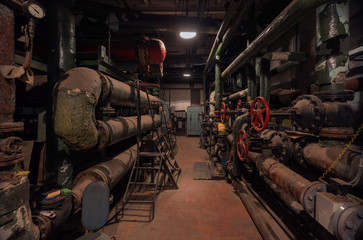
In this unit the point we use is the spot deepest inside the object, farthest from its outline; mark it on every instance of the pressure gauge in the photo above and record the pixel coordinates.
(34, 9)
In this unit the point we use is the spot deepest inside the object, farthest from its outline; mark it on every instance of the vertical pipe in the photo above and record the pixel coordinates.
(205, 93)
(217, 84)
(332, 41)
(265, 78)
(61, 58)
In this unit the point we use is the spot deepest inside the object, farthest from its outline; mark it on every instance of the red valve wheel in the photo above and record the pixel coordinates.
(224, 115)
(260, 114)
(242, 145)
(239, 104)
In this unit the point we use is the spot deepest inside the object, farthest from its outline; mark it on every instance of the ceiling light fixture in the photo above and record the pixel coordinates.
(186, 75)
(187, 35)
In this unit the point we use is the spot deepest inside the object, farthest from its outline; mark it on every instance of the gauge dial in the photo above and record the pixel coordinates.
(34, 9)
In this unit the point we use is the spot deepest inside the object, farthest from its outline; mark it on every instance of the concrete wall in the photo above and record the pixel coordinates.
(178, 96)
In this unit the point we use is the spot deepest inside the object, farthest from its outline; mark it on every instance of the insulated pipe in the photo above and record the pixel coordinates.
(124, 127)
(236, 96)
(323, 157)
(110, 172)
(291, 15)
(75, 101)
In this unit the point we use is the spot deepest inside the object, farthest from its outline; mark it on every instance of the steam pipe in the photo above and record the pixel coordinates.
(75, 101)
(110, 172)
(291, 15)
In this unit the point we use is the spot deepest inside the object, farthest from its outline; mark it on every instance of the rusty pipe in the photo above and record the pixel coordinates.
(110, 172)
(75, 99)
(291, 182)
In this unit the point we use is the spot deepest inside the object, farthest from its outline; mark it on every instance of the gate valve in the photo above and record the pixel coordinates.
(224, 115)
(242, 145)
(260, 114)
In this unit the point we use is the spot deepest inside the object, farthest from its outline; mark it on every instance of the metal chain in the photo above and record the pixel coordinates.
(330, 168)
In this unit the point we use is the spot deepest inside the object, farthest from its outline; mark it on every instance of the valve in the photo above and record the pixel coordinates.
(239, 104)
(260, 114)
(242, 145)
(224, 115)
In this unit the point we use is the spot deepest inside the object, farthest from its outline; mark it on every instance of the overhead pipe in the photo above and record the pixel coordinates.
(218, 86)
(229, 16)
(75, 99)
(291, 15)
(110, 172)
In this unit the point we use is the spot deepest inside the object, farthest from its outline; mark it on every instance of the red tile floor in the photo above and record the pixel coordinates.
(199, 209)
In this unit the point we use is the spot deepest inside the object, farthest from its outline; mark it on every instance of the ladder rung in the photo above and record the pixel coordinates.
(143, 183)
(151, 168)
(151, 154)
(139, 201)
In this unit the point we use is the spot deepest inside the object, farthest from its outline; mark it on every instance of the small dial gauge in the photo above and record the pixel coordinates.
(34, 9)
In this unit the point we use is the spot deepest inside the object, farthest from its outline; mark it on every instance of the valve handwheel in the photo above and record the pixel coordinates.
(260, 114)
(239, 104)
(242, 145)
(224, 115)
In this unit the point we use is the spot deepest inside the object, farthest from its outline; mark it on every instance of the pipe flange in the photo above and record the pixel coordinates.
(308, 196)
(106, 89)
(310, 113)
(104, 136)
(299, 147)
(349, 221)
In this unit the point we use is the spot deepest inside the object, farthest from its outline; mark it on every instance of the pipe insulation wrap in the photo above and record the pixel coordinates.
(76, 96)
(110, 172)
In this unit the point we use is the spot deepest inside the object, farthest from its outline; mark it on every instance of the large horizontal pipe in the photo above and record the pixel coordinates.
(75, 101)
(110, 172)
(236, 96)
(125, 127)
(323, 157)
(283, 176)
(291, 15)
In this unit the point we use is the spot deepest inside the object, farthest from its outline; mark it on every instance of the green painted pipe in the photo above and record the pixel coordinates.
(217, 86)
(291, 15)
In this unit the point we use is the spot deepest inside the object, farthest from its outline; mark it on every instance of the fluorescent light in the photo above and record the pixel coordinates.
(187, 35)
(186, 75)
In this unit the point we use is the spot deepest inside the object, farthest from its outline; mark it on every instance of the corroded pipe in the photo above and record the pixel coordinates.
(75, 101)
(283, 176)
(110, 172)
